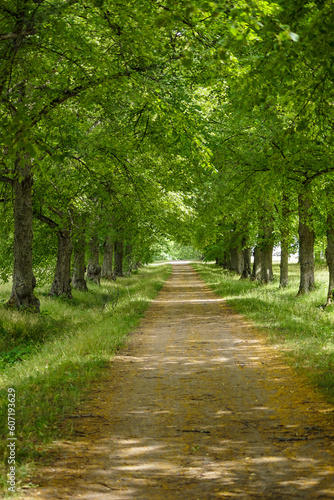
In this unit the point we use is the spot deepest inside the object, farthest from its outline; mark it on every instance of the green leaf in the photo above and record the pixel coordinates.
(223, 54)
(161, 22)
(187, 62)
(302, 125)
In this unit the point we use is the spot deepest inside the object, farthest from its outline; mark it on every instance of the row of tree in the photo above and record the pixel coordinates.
(91, 154)
(123, 123)
(273, 183)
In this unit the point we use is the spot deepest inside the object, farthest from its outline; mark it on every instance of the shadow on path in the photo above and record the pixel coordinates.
(197, 406)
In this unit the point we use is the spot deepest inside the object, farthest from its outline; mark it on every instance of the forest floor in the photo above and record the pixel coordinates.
(197, 406)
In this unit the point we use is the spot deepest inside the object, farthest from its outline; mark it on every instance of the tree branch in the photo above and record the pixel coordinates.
(8, 180)
(45, 219)
(23, 33)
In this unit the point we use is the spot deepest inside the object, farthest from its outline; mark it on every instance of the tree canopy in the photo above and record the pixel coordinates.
(127, 124)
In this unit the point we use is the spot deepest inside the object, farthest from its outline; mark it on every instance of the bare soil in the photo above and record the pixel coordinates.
(197, 406)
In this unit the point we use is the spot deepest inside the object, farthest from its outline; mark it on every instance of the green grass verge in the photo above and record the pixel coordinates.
(297, 325)
(50, 359)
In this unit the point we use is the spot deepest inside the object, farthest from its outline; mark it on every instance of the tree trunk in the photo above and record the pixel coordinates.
(285, 237)
(306, 245)
(128, 259)
(222, 260)
(330, 258)
(267, 263)
(24, 282)
(267, 246)
(79, 268)
(94, 268)
(246, 272)
(257, 264)
(107, 267)
(62, 281)
(237, 263)
(118, 252)
(284, 265)
(226, 260)
(137, 265)
(79, 264)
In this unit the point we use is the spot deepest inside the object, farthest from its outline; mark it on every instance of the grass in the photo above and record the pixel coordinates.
(50, 359)
(298, 325)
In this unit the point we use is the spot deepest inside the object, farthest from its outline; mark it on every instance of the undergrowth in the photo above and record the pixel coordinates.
(51, 358)
(297, 324)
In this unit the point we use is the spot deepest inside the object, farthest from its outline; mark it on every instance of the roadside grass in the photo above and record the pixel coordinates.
(297, 325)
(50, 359)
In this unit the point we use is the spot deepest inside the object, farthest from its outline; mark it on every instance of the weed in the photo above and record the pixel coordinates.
(16, 354)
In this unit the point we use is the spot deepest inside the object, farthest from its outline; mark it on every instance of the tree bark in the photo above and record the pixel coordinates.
(94, 268)
(79, 254)
(330, 258)
(62, 281)
(267, 263)
(306, 245)
(226, 260)
(79, 268)
(137, 265)
(118, 252)
(257, 264)
(284, 265)
(128, 258)
(237, 263)
(107, 265)
(221, 260)
(24, 282)
(267, 246)
(246, 272)
(285, 237)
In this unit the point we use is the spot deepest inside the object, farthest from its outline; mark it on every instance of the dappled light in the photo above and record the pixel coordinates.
(196, 406)
(142, 131)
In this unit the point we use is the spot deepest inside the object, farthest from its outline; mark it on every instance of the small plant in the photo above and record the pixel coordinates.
(14, 355)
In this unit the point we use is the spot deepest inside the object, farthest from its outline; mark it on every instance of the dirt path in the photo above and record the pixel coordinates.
(196, 407)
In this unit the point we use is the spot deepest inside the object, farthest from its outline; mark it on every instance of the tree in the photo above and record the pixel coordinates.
(151, 108)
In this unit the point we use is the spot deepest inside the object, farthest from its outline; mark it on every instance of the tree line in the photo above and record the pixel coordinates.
(272, 144)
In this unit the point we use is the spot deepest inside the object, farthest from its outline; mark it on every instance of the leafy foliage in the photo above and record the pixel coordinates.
(164, 120)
